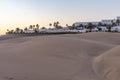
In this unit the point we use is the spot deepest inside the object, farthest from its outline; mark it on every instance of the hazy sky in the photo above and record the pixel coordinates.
(22, 13)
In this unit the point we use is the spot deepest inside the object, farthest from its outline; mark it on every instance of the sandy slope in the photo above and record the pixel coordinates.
(93, 56)
(107, 65)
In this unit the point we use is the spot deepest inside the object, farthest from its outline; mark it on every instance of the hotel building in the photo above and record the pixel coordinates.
(104, 22)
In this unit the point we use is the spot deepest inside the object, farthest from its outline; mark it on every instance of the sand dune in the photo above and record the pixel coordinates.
(107, 65)
(92, 56)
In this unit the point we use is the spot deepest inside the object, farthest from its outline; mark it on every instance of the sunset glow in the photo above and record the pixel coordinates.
(22, 13)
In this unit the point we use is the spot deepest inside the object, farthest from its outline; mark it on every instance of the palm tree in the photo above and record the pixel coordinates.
(79, 27)
(43, 28)
(11, 32)
(21, 31)
(31, 27)
(67, 25)
(59, 27)
(17, 30)
(56, 25)
(90, 26)
(25, 29)
(8, 31)
(36, 29)
(37, 26)
(50, 24)
(70, 27)
(73, 25)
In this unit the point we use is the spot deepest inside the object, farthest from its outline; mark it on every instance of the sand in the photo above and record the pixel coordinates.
(88, 56)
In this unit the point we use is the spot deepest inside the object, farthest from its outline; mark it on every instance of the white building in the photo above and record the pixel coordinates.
(85, 23)
(115, 29)
(105, 21)
(103, 28)
(29, 31)
(118, 18)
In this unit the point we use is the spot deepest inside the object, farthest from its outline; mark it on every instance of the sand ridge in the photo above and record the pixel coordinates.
(107, 65)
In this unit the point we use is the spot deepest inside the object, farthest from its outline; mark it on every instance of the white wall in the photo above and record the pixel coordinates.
(85, 23)
(118, 18)
(108, 22)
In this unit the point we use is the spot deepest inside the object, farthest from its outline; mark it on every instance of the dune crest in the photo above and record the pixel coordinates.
(107, 64)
